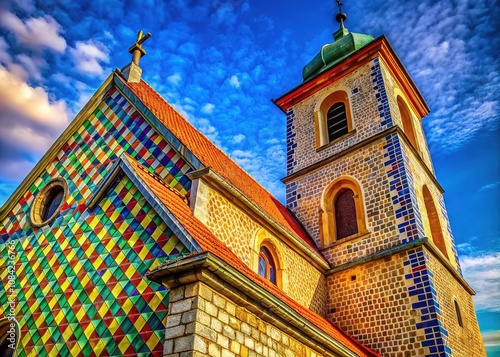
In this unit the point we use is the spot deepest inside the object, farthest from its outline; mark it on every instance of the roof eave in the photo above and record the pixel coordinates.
(247, 204)
(230, 282)
(378, 47)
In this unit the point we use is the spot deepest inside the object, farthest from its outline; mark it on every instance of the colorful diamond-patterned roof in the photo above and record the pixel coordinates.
(211, 156)
(210, 243)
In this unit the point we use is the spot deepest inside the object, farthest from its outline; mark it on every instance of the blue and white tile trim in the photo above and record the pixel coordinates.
(290, 142)
(419, 279)
(448, 228)
(424, 300)
(402, 191)
(291, 195)
(381, 95)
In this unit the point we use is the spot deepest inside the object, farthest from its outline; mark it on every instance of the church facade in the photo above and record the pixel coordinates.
(136, 236)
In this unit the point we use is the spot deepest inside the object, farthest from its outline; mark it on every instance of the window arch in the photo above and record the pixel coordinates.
(267, 265)
(433, 218)
(9, 336)
(407, 121)
(459, 314)
(267, 259)
(343, 211)
(332, 117)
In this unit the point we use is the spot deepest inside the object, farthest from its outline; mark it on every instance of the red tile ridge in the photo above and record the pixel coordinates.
(211, 156)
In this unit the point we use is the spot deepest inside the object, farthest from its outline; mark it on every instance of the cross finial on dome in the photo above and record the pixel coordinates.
(341, 16)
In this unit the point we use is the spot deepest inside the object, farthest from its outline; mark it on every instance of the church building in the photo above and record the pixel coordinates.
(135, 235)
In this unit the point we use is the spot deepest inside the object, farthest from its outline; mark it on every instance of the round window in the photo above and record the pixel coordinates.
(48, 202)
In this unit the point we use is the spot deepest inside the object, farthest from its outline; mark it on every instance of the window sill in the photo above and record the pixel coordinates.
(351, 238)
(331, 143)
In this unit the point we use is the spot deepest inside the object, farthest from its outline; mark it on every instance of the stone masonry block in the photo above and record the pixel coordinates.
(181, 306)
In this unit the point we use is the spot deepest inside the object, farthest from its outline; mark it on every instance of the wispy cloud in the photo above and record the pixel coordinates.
(234, 81)
(238, 138)
(490, 186)
(208, 108)
(448, 54)
(88, 56)
(35, 32)
(491, 338)
(483, 272)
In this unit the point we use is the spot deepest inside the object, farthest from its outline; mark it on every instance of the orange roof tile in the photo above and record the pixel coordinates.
(210, 243)
(211, 156)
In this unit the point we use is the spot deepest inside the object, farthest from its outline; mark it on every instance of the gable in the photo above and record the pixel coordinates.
(114, 127)
(80, 284)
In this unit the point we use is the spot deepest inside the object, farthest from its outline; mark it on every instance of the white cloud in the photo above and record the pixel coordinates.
(208, 108)
(491, 338)
(29, 123)
(88, 55)
(36, 32)
(484, 274)
(33, 65)
(489, 186)
(18, 97)
(175, 79)
(238, 138)
(4, 55)
(234, 81)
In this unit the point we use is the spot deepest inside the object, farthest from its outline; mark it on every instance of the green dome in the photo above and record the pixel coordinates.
(346, 43)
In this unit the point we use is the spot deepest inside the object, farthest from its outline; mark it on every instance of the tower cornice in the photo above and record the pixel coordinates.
(381, 48)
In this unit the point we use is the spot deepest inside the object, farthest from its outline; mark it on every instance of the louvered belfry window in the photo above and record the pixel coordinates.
(337, 121)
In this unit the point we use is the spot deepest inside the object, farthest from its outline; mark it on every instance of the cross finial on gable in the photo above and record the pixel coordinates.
(132, 72)
(136, 50)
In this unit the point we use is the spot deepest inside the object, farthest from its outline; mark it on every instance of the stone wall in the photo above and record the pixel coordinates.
(366, 165)
(464, 341)
(238, 230)
(202, 322)
(371, 303)
(365, 114)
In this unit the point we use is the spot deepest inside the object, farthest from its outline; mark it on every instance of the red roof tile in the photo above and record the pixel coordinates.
(210, 243)
(211, 156)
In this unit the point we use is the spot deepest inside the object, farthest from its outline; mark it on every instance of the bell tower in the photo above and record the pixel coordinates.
(361, 180)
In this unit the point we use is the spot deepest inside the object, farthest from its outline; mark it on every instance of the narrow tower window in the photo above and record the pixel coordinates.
(433, 218)
(267, 266)
(337, 121)
(459, 314)
(345, 214)
(407, 122)
(332, 118)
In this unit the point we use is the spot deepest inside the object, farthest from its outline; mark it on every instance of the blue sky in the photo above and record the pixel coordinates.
(220, 62)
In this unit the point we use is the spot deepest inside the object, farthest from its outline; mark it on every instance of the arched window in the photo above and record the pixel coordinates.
(459, 314)
(337, 121)
(267, 265)
(345, 214)
(407, 122)
(332, 117)
(267, 259)
(433, 218)
(342, 211)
